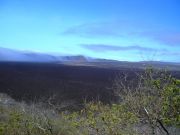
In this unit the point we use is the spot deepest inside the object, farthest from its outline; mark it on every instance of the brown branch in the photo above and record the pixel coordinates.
(161, 124)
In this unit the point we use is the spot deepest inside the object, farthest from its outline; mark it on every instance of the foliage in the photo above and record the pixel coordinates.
(171, 103)
(29, 120)
(103, 119)
(95, 118)
(154, 98)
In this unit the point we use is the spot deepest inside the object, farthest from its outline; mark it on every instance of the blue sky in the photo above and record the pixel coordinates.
(127, 30)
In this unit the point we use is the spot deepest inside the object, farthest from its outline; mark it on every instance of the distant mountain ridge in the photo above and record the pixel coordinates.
(24, 56)
(10, 55)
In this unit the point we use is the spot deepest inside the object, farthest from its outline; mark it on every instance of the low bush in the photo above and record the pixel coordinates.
(96, 118)
(154, 98)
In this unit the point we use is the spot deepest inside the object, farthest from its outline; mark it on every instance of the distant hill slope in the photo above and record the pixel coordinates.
(79, 60)
(24, 56)
(14, 55)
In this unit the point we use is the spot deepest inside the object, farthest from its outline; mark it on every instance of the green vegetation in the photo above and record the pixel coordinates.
(95, 118)
(154, 99)
(149, 105)
(103, 119)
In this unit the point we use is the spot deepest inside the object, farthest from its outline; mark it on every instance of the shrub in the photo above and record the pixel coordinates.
(154, 98)
(21, 119)
(103, 119)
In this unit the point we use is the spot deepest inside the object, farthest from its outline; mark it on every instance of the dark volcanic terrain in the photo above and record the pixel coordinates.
(38, 81)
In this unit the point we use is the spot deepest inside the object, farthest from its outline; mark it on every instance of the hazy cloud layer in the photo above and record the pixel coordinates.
(93, 29)
(168, 53)
(168, 38)
(106, 48)
(113, 28)
(103, 48)
(125, 29)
